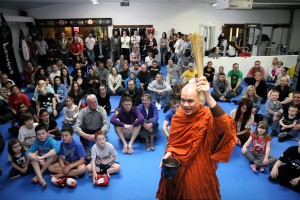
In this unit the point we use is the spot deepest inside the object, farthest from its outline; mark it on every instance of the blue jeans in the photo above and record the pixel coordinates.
(163, 53)
(161, 99)
(274, 123)
(91, 55)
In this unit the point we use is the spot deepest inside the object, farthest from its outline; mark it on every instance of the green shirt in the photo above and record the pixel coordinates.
(235, 76)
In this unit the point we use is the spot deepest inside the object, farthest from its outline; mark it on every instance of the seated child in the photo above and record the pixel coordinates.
(5, 91)
(23, 109)
(174, 103)
(132, 77)
(287, 123)
(286, 170)
(50, 124)
(42, 154)
(273, 111)
(149, 59)
(71, 161)
(70, 111)
(259, 154)
(46, 101)
(20, 164)
(27, 134)
(103, 157)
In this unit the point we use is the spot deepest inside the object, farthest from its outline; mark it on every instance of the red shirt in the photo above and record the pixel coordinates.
(76, 48)
(14, 101)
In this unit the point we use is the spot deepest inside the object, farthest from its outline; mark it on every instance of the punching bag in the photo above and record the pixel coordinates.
(8, 64)
(24, 50)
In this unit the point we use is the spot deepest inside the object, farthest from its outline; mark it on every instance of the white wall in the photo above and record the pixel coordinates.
(184, 17)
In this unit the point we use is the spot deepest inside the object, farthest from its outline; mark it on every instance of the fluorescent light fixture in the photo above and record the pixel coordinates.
(95, 2)
(214, 4)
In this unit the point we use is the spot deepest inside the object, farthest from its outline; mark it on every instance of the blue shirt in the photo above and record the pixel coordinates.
(72, 151)
(169, 115)
(43, 147)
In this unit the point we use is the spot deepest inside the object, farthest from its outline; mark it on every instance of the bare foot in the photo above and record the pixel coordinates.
(15, 177)
(35, 179)
(43, 182)
(90, 174)
(125, 148)
(130, 149)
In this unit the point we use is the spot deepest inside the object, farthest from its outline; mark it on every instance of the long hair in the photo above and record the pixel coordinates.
(10, 145)
(246, 96)
(262, 124)
(62, 77)
(247, 114)
(54, 84)
(72, 92)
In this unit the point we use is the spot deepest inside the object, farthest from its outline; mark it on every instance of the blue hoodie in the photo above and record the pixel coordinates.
(136, 80)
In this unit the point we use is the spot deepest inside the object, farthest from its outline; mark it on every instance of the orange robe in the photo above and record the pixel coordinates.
(198, 142)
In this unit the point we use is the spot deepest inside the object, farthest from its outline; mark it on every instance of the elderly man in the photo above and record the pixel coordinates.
(127, 121)
(200, 137)
(89, 120)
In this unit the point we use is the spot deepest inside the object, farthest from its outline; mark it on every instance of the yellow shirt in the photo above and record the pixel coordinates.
(189, 74)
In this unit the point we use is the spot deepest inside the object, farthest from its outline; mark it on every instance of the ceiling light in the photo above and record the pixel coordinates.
(214, 4)
(95, 2)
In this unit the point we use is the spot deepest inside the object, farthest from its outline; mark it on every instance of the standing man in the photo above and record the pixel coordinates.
(89, 120)
(63, 47)
(200, 137)
(127, 121)
(42, 49)
(115, 46)
(234, 78)
(90, 43)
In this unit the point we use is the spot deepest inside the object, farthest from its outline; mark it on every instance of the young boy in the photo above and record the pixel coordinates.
(174, 103)
(42, 153)
(46, 100)
(27, 133)
(103, 157)
(71, 161)
(287, 123)
(273, 111)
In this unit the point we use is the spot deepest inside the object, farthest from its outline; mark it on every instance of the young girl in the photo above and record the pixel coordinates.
(103, 157)
(70, 111)
(65, 78)
(244, 120)
(50, 124)
(20, 164)
(76, 93)
(259, 154)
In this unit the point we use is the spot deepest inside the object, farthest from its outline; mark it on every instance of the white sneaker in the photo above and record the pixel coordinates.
(158, 106)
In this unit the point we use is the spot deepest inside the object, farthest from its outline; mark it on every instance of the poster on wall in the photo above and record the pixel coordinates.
(8, 64)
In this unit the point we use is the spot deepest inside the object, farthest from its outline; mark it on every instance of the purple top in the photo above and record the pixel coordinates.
(134, 117)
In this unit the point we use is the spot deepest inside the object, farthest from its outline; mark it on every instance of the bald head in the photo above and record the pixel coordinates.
(189, 99)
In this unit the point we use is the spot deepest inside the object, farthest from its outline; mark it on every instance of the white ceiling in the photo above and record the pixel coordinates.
(29, 4)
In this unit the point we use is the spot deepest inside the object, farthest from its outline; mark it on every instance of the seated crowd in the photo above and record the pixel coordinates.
(83, 96)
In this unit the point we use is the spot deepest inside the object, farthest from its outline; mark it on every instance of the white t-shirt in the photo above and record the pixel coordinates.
(105, 154)
(27, 136)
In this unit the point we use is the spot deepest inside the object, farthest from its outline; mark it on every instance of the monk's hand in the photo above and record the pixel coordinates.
(204, 86)
(166, 156)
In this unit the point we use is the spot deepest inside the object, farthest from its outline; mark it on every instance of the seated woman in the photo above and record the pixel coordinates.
(271, 76)
(76, 93)
(214, 53)
(81, 79)
(66, 79)
(124, 72)
(115, 83)
(209, 72)
(250, 94)
(244, 120)
(61, 93)
(93, 82)
(261, 87)
(284, 73)
(104, 98)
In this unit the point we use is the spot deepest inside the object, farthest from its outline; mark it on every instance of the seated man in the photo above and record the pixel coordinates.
(174, 104)
(250, 78)
(159, 91)
(127, 121)
(150, 125)
(134, 93)
(173, 73)
(188, 74)
(144, 76)
(89, 120)
(234, 78)
(221, 90)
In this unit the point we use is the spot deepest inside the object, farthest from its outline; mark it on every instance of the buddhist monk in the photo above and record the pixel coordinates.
(199, 138)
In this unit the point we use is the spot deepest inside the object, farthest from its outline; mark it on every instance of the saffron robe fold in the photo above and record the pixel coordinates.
(199, 142)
